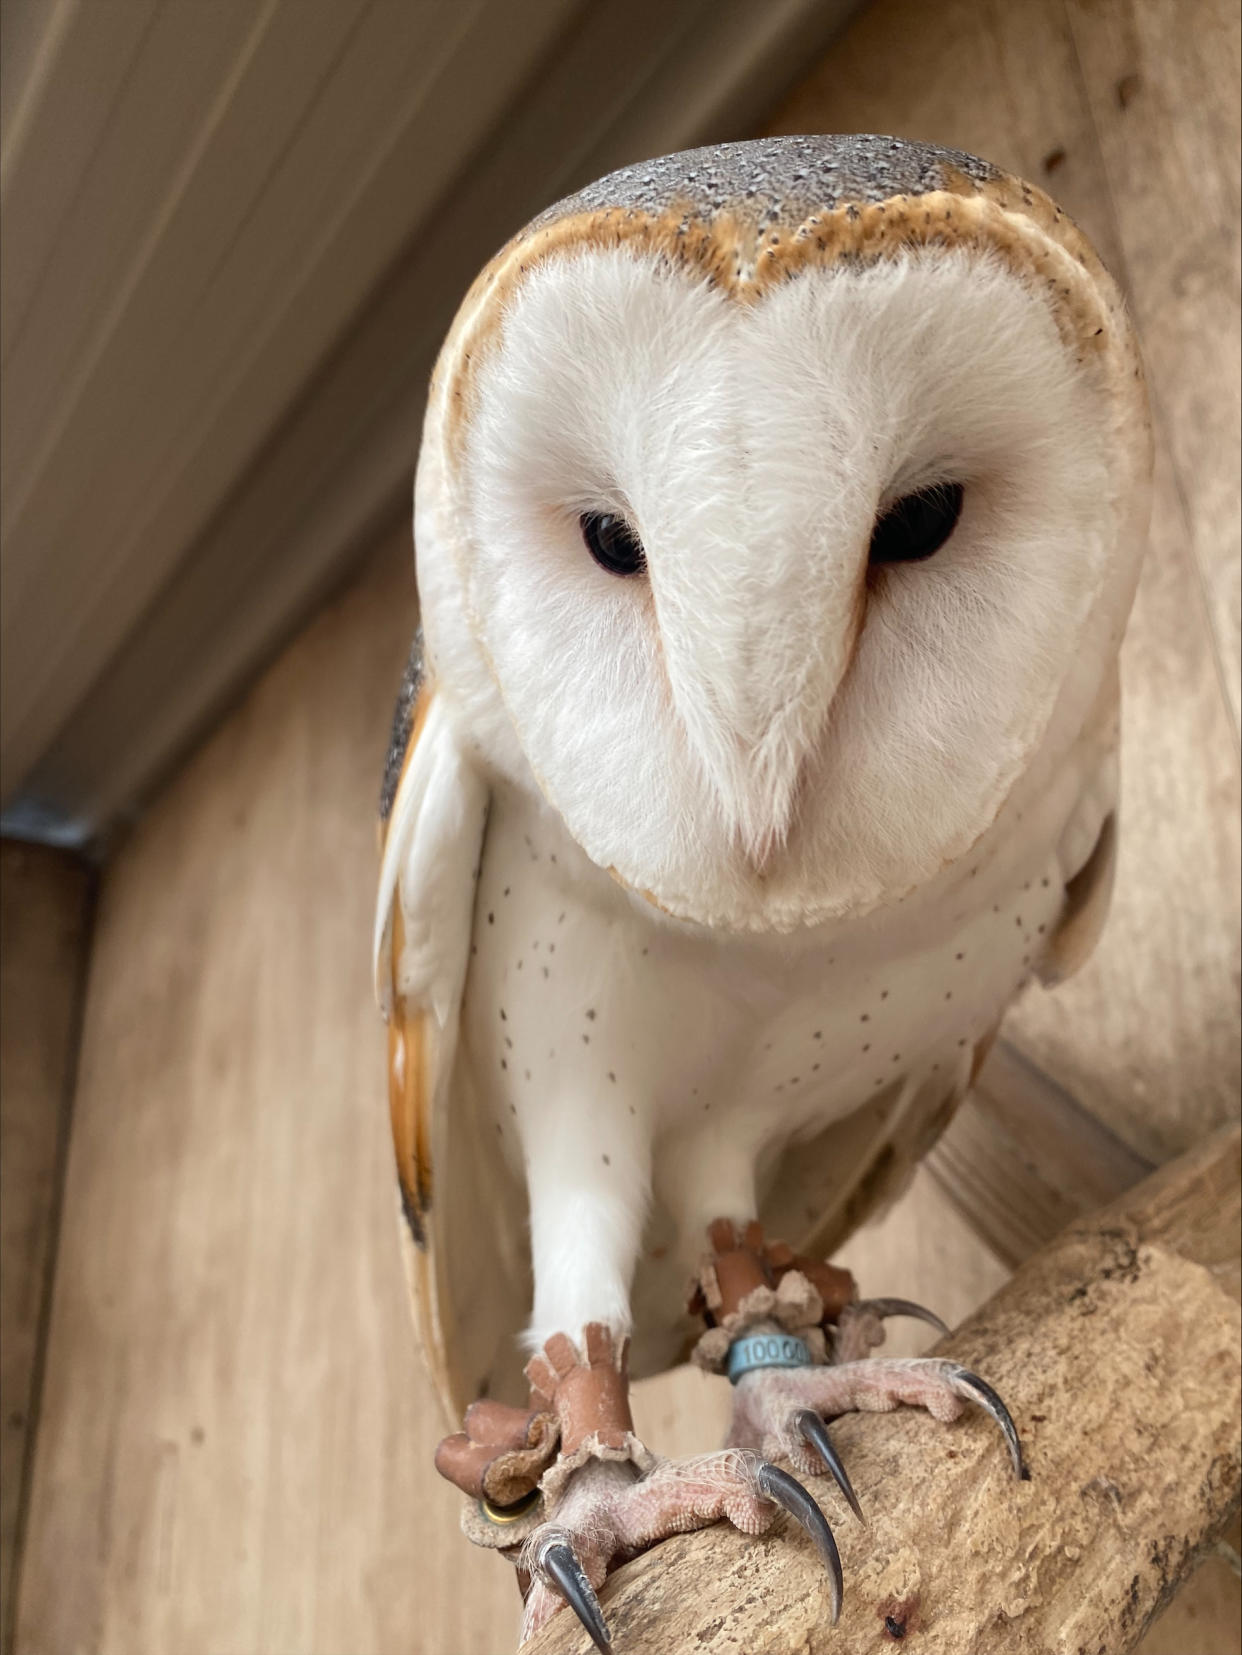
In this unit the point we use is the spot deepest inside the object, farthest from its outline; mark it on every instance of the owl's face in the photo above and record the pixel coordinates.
(776, 599)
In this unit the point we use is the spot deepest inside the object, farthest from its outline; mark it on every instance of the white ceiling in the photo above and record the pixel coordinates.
(233, 235)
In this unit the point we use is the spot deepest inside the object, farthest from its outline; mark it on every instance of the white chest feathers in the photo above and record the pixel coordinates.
(633, 1049)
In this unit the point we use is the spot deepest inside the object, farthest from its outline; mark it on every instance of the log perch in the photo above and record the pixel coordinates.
(1117, 1348)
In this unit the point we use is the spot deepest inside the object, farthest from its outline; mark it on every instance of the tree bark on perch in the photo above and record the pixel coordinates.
(1117, 1348)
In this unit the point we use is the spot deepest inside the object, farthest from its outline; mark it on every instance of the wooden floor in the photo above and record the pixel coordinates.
(234, 1438)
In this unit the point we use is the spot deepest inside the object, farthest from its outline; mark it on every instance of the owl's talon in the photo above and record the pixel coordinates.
(884, 1308)
(788, 1493)
(556, 1562)
(980, 1392)
(809, 1425)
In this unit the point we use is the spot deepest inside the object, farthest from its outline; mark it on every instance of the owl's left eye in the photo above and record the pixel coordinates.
(916, 526)
(612, 543)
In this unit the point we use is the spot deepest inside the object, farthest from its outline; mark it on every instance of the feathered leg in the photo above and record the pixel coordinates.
(565, 1488)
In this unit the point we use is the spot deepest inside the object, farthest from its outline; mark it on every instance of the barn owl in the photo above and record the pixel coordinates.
(778, 514)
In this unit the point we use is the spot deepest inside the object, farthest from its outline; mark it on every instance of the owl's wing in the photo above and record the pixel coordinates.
(424, 916)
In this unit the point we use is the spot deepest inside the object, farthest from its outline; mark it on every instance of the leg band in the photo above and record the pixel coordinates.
(766, 1350)
(745, 1283)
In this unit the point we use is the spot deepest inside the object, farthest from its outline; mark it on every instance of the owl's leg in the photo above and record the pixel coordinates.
(567, 1518)
(782, 1411)
(566, 1488)
(606, 1497)
(795, 1339)
(543, 1481)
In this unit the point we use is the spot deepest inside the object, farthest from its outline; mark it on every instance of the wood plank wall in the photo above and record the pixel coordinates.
(45, 908)
(234, 1448)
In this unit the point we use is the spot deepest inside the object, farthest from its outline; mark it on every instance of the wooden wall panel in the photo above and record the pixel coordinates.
(237, 1433)
(1162, 84)
(45, 905)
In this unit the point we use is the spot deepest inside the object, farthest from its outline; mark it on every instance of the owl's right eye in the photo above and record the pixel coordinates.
(917, 526)
(612, 543)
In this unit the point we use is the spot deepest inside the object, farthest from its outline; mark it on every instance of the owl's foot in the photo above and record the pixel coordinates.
(608, 1514)
(781, 1412)
(566, 1518)
(795, 1338)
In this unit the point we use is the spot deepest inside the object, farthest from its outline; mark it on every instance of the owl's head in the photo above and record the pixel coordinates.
(779, 510)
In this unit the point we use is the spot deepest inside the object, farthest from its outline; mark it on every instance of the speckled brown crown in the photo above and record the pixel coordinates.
(775, 184)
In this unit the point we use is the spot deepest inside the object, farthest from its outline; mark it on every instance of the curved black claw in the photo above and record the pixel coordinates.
(788, 1493)
(981, 1392)
(557, 1561)
(808, 1424)
(904, 1307)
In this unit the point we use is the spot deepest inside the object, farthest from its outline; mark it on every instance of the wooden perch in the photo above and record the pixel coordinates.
(1117, 1349)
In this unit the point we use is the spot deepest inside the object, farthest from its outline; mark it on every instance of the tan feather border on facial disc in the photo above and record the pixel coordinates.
(1002, 216)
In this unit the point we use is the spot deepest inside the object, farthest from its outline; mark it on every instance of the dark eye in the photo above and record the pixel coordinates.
(612, 543)
(918, 525)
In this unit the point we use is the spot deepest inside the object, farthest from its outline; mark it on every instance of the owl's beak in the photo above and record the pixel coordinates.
(764, 807)
(762, 844)
(754, 683)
